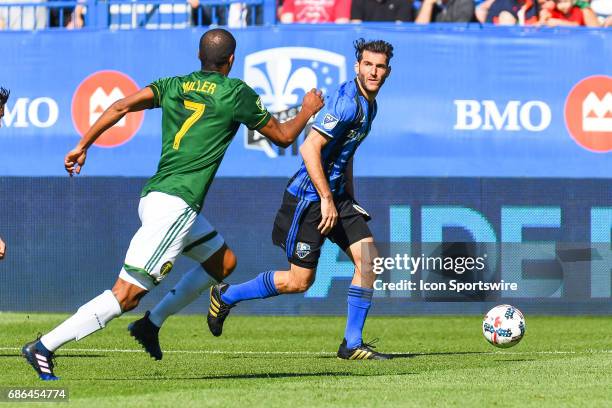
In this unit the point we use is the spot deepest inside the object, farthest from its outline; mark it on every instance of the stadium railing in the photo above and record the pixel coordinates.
(24, 15)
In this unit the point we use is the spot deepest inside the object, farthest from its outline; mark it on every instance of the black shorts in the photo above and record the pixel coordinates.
(295, 228)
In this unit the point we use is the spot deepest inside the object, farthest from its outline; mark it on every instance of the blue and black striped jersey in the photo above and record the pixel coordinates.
(346, 121)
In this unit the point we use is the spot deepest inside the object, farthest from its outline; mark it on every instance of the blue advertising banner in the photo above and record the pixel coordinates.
(461, 101)
(67, 239)
(501, 138)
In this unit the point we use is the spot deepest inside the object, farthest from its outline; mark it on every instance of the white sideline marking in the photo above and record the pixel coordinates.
(311, 353)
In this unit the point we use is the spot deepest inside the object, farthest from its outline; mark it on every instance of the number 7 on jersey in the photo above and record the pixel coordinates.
(198, 110)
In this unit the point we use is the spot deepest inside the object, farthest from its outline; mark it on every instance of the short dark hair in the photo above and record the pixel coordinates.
(4, 95)
(216, 46)
(377, 46)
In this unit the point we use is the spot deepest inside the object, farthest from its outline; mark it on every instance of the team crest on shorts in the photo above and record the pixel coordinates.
(166, 268)
(302, 250)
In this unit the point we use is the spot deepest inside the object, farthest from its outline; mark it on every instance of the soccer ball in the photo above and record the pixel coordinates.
(503, 326)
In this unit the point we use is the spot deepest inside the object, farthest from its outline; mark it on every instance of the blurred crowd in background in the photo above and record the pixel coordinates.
(23, 15)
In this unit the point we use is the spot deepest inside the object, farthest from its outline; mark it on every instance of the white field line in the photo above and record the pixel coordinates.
(311, 353)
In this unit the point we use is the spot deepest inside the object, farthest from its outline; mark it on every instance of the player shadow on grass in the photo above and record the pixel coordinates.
(413, 355)
(62, 355)
(247, 376)
(234, 376)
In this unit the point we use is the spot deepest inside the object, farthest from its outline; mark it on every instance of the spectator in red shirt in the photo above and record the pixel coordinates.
(511, 12)
(316, 11)
(561, 13)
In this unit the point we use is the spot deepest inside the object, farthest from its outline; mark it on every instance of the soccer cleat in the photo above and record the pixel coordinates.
(147, 334)
(218, 309)
(363, 352)
(40, 359)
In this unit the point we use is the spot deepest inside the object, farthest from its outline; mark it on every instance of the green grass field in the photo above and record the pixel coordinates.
(290, 361)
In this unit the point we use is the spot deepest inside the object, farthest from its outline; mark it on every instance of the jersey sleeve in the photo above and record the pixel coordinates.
(159, 88)
(249, 109)
(336, 118)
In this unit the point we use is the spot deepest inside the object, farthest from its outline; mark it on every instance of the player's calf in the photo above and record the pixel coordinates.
(295, 280)
(221, 264)
(91, 317)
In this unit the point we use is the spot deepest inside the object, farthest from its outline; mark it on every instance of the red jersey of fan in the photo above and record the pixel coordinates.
(317, 11)
(575, 15)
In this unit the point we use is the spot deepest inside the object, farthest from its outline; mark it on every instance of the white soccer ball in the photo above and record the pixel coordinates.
(503, 326)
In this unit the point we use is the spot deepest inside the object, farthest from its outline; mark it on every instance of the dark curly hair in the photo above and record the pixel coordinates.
(377, 46)
(4, 95)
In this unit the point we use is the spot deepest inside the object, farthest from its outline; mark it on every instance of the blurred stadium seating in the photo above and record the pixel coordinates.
(126, 14)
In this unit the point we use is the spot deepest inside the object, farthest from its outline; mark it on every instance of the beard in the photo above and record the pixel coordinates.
(369, 88)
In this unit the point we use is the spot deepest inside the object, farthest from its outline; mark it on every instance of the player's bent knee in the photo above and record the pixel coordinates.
(296, 280)
(301, 284)
(229, 263)
(302, 287)
(129, 304)
(128, 295)
(221, 264)
(126, 301)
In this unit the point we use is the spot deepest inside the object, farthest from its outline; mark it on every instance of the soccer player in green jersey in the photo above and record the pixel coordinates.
(201, 113)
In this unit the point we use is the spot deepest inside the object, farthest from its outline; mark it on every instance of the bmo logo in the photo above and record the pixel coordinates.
(532, 116)
(40, 112)
(94, 95)
(588, 113)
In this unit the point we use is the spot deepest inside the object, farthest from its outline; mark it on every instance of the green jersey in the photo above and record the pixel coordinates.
(201, 113)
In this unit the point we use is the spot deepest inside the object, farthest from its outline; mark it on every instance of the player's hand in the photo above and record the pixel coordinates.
(75, 160)
(2, 248)
(329, 215)
(313, 101)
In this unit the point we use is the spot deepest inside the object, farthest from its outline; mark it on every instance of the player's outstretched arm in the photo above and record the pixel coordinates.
(2, 248)
(143, 99)
(311, 153)
(283, 134)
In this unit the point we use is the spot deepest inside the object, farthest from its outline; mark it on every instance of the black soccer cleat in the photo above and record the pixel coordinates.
(147, 334)
(363, 352)
(218, 309)
(40, 359)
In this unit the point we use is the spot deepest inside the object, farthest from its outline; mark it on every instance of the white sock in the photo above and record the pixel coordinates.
(188, 289)
(91, 317)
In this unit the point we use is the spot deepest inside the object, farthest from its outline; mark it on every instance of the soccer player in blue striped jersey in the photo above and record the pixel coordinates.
(4, 96)
(319, 204)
